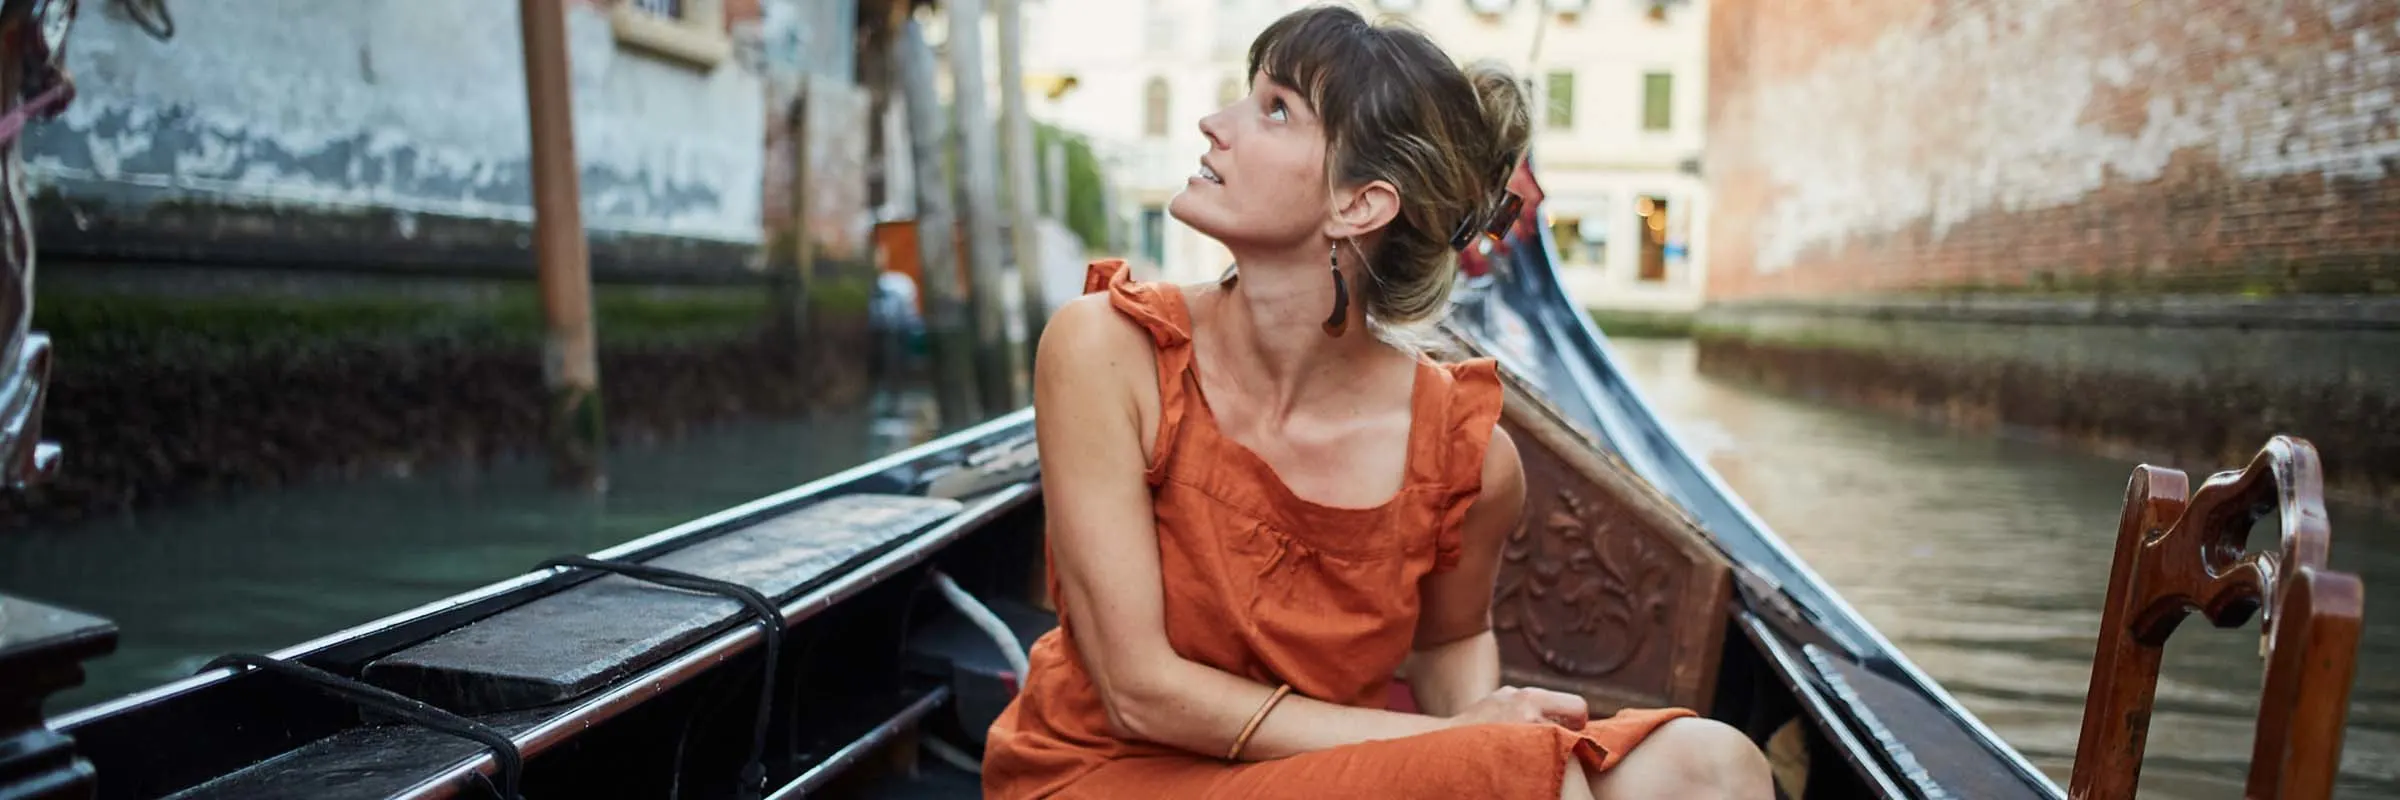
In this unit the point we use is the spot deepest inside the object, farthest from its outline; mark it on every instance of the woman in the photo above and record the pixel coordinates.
(1258, 509)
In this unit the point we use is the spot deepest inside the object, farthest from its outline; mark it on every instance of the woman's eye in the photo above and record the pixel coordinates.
(1278, 112)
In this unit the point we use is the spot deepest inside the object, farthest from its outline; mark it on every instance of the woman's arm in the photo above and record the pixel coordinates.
(1091, 374)
(1457, 659)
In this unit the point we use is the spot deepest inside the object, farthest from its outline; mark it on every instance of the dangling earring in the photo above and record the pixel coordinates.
(1340, 321)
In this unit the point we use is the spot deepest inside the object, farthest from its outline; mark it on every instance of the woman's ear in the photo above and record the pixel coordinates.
(1362, 210)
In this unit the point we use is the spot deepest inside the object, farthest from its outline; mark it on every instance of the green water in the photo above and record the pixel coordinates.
(272, 569)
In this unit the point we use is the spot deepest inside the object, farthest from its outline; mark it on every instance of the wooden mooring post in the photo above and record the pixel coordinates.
(946, 315)
(979, 166)
(570, 352)
(1024, 231)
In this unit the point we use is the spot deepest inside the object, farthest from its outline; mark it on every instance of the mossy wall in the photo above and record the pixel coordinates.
(175, 383)
(2196, 383)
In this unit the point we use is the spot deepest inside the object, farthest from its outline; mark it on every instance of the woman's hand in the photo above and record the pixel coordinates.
(1524, 704)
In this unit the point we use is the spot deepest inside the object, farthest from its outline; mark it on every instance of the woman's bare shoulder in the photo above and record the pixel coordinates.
(1088, 338)
(1093, 359)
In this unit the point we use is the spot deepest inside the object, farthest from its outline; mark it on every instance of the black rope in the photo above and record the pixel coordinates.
(753, 780)
(412, 710)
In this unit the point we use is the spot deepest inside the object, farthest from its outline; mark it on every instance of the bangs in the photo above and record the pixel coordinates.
(1300, 50)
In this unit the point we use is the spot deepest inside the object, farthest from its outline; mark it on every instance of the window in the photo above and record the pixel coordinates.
(1563, 234)
(1559, 111)
(1154, 234)
(1154, 108)
(1658, 93)
(1581, 242)
(691, 31)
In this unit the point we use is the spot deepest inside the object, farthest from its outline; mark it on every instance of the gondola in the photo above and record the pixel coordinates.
(852, 637)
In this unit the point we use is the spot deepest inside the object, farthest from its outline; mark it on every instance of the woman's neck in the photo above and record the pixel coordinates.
(1272, 322)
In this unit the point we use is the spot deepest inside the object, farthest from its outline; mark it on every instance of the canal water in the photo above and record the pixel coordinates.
(262, 571)
(1985, 559)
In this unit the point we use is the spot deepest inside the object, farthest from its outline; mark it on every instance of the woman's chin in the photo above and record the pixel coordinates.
(1196, 213)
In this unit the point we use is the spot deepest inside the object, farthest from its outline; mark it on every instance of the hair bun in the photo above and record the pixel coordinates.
(1507, 117)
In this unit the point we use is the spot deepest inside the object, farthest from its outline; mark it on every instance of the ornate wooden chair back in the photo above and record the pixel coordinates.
(2176, 555)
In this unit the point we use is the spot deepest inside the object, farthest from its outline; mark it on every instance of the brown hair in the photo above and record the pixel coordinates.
(1397, 109)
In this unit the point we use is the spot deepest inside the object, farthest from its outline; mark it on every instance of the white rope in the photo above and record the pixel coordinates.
(986, 620)
(951, 755)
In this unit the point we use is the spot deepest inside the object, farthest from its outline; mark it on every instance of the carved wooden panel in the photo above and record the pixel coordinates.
(1607, 590)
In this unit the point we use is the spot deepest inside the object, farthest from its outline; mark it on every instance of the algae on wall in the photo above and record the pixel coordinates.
(165, 394)
(2197, 385)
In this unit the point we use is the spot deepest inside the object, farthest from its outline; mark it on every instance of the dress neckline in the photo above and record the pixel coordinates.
(1420, 383)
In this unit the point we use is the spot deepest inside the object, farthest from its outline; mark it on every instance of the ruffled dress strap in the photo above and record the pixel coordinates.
(1159, 309)
(1471, 410)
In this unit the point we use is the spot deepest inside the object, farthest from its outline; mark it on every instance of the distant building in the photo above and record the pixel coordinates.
(1617, 84)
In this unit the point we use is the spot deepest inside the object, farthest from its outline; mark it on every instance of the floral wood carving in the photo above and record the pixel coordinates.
(1608, 590)
(1586, 594)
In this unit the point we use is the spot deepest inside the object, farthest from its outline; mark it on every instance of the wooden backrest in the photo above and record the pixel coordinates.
(1608, 589)
(2177, 555)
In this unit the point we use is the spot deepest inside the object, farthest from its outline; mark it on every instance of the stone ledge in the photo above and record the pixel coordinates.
(2192, 397)
(2341, 312)
(102, 221)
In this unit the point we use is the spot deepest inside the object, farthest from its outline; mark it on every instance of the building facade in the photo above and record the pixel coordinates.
(1618, 118)
(395, 131)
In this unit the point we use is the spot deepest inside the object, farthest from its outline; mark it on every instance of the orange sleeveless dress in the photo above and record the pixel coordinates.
(1261, 583)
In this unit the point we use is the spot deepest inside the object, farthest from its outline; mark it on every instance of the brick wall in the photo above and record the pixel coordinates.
(2199, 145)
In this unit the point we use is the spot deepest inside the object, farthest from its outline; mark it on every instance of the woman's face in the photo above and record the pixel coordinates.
(1261, 185)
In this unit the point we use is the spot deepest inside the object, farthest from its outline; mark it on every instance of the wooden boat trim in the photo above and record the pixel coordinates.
(502, 594)
(1818, 709)
(633, 691)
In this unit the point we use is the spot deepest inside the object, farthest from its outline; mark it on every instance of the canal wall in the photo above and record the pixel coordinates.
(2172, 145)
(170, 384)
(2167, 230)
(2195, 383)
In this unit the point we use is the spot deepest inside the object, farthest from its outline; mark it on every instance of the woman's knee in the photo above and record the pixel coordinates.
(1691, 757)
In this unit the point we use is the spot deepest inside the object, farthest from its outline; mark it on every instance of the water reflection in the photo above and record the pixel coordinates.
(1986, 560)
(271, 569)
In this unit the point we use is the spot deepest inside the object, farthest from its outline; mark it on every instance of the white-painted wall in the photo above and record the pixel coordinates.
(416, 105)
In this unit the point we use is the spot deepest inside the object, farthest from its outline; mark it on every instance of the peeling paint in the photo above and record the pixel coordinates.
(415, 105)
(1983, 109)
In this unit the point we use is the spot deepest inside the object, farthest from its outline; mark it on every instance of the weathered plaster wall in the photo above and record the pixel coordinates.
(1905, 144)
(414, 106)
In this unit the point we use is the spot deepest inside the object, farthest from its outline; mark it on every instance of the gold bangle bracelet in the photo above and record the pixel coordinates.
(1235, 753)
